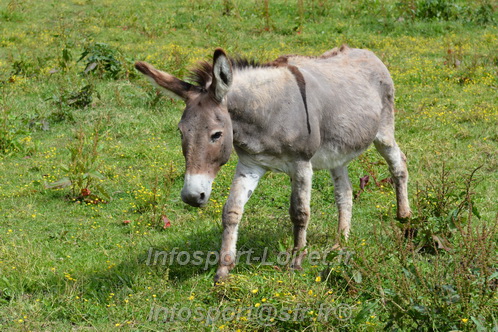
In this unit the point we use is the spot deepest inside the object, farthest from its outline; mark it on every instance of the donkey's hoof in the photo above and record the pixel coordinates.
(220, 276)
(295, 267)
(404, 215)
(218, 280)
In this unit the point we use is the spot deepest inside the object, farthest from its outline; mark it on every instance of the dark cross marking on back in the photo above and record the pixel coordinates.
(283, 61)
(301, 83)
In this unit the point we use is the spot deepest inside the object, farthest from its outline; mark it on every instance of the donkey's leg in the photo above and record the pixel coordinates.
(244, 182)
(301, 177)
(387, 147)
(343, 198)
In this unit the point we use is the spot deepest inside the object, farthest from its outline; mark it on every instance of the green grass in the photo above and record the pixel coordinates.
(67, 263)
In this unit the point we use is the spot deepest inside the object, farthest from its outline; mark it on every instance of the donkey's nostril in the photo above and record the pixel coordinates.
(203, 195)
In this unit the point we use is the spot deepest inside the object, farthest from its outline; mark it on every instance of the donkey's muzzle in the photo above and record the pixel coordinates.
(196, 189)
(195, 200)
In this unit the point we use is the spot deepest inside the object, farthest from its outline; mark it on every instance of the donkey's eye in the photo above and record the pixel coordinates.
(216, 136)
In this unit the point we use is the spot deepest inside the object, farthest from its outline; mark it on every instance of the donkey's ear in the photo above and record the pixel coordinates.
(173, 86)
(222, 75)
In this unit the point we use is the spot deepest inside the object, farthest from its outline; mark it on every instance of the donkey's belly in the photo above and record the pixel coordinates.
(329, 158)
(324, 158)
(281, 164)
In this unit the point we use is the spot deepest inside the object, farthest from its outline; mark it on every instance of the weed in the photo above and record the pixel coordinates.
(66, 101)
(437, 9)
(65, 58)
(77, 99)
(23, 67)
(443, 290)
(440, 206)
(14, 11)
(11, 137)
(484, 13)
(103, 61)
(266, 15)
(82, 172)
(152, 202)
(453, 57)
(228, 7)
(301, 12)
(447, 10)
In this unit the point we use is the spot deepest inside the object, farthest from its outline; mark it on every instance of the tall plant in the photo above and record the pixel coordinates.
(82, 171)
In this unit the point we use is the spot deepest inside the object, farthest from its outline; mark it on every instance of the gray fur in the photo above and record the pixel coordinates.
(346, 96)
(342, 103)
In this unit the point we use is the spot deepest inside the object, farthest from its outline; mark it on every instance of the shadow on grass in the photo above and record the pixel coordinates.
(198, 253)
(180, 257)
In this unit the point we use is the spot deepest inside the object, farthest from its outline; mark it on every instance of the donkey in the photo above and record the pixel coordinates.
(293, 115)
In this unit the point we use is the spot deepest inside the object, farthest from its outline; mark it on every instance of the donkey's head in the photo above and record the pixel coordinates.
(205, 126)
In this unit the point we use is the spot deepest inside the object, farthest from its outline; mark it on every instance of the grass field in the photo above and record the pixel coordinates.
(91, 170)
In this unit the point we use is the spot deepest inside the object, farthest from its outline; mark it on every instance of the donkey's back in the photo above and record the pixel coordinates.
(350, 97)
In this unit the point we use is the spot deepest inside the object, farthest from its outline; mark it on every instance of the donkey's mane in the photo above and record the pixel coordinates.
(202, 73)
